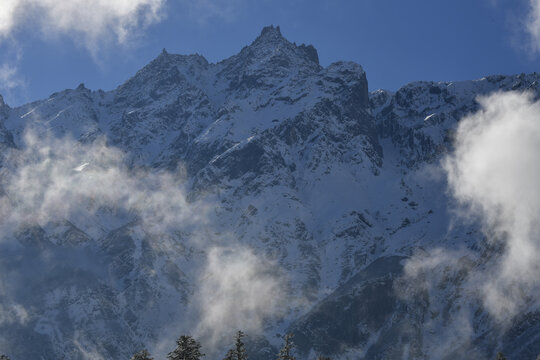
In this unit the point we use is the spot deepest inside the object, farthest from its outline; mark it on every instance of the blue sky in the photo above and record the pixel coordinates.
(50, 45)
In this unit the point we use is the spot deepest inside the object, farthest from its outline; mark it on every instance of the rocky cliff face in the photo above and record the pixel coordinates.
(296, 162)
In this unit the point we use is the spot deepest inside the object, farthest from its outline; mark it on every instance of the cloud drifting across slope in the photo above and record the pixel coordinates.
(93, 21)
(48, 180)
(494, 174)
(239, 291)
(53, 179)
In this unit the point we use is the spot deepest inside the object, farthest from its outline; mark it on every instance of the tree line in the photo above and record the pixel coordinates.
(187, 348)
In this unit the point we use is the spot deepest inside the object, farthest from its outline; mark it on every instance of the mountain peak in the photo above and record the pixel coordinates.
(271, 30)
(271, 37)
(270, 34)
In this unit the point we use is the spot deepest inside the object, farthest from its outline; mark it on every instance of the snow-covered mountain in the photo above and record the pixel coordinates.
(266, 168)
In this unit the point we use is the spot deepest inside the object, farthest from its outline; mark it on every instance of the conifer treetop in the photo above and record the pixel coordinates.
(187, 348)
(142, 355)
(286, 351)
(238, 352)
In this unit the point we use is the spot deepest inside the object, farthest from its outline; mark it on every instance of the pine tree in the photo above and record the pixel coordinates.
(500, 356)
(141, 355)
(4, 357)
(286, 351)
(239, 351)
(187, 348)
(230, 355)
(321, 357)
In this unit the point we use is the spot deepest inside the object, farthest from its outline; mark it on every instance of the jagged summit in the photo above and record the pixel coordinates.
(270, 33)
(271, 37)
(166, 58)
(267, 61)
(270, 56)
(269, 45)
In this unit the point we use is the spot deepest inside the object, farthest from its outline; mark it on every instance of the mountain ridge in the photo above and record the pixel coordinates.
(302, 168)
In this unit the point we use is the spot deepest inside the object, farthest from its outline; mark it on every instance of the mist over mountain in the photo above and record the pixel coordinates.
(269, 194)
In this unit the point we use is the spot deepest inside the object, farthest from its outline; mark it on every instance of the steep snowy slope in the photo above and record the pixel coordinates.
(265, 164)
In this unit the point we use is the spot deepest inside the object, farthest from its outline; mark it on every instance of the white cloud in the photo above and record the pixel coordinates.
(494, 174)
(13, 313)
(54, 179)
(48, 180)
(533, 25)
(238, 291)
(92, 21)
(7, 16)
(9, 78)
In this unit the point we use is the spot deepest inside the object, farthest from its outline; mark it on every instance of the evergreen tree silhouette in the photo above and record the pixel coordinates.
(142, 355)
(286, 351)
(187, 348)
(239, 350)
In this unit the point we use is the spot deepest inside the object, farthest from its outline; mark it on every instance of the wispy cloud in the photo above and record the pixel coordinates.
(532, 25)
(55, 179)
(11, 80)
(450, 280)
(96, 23)
(9, 77)
(239, 291)
(492, 174)
(93, 22)
(48, 180)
